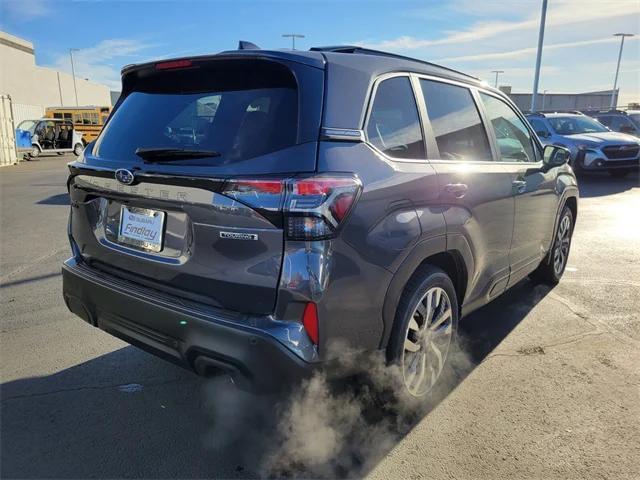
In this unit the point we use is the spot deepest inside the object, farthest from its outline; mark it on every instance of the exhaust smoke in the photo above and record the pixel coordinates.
(324, 427)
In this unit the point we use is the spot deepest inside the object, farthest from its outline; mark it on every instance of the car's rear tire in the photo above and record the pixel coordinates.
(78, 148)
(620, 173)
(424, 330)
(555, 262)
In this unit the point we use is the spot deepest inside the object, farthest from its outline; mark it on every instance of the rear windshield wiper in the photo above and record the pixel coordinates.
(156, 155)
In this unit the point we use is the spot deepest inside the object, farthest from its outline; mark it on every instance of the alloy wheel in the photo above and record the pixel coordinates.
(563, 240)
(427, 341)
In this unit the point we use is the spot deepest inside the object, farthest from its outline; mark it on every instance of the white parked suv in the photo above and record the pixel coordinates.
(593, 146)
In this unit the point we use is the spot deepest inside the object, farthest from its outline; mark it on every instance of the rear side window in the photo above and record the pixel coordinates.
(456, 122)
(514, 139)
(620, 124)
(394, 126)
(240, 114)
(606, 120)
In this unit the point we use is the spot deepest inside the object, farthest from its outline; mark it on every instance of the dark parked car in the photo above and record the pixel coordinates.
(246, 211)
(618, 120)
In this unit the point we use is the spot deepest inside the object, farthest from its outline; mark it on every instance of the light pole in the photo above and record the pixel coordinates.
(615, 80)
(544, 98)
(497, 72)
(73, 72)
(536, 77)
(293, 37)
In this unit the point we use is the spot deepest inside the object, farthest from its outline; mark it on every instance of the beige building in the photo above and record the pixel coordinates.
(28, 89)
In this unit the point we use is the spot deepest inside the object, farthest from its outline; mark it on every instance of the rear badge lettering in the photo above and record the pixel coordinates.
(238, 236)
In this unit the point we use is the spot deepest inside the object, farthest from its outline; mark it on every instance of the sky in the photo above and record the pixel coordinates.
(474, 36)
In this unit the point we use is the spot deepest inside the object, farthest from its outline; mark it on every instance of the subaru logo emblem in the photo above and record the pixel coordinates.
(124, 176)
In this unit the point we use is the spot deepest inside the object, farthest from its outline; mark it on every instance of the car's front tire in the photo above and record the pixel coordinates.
(555, 262)
(35, 151)
(424, 330)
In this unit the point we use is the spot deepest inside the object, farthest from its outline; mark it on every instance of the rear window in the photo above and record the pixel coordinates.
(238, 113)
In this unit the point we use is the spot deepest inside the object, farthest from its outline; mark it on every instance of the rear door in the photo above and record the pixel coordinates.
(475, 190)
(533, 186)
(203, 227)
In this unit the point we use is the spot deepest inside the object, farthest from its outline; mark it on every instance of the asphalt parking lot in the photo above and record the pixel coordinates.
(550, 386)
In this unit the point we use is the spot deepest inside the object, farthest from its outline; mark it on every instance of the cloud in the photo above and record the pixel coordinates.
(102, 63)
(25, 9)
(559, 14)
(523, 52)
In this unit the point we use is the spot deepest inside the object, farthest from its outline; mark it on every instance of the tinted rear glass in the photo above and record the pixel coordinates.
(240, 113)
(456, 122)
(394, 126)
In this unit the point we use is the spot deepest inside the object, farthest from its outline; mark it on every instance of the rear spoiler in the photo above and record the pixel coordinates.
(312, 59)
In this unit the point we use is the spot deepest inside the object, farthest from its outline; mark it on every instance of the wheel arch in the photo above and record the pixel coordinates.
(432, 252)
(570, 199)
(572, 203)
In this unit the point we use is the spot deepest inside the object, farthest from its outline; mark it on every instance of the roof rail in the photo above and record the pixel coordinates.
(542, 112)
(369, 51)
(604, 110)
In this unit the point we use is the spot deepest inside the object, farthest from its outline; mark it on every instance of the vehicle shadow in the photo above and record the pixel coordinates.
(127, 414)
(597, 184)
(59, 199)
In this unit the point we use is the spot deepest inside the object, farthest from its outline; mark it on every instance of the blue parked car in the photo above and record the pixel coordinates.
(48, 135)
(593, 146)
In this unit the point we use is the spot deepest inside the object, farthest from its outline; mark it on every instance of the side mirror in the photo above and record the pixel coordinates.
(542, 133)
(555, 156)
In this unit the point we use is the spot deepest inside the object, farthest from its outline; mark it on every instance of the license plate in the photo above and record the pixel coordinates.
(141, 227)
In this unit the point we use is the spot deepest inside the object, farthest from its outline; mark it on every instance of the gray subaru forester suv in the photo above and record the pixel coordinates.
(245, 211)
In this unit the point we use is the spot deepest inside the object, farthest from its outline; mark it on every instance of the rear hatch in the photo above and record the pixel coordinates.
(182, 192)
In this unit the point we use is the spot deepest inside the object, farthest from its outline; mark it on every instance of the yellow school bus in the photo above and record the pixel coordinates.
(86, 120)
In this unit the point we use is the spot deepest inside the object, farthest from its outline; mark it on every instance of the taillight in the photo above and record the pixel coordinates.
(313, 207)
(316, 206)
(263, 194)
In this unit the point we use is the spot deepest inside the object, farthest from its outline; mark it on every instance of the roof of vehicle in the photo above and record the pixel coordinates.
(85, 107)
(554, 114)
(360, 58)
(351, 73)
(67, 120)
(603, 111)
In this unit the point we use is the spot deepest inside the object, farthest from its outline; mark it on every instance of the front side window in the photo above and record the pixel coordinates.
(393, 126)
(27, 126)
(539, 127)
(456, 122)
(513, 137)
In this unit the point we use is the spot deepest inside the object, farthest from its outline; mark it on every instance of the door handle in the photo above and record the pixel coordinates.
(520, 186)
(458, 190)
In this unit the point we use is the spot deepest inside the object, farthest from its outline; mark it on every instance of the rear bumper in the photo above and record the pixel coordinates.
(201, 340)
